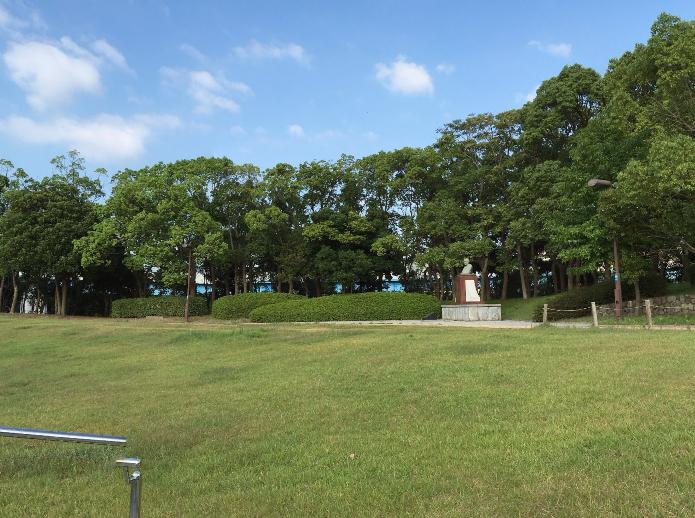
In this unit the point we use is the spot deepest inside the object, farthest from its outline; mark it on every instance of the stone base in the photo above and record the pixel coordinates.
(472, 312)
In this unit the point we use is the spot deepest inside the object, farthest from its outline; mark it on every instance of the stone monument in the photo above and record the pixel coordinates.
(469, 306)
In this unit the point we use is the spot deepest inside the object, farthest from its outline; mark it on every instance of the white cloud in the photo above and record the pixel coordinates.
(237, 131)
(208, 91)
(7, 21)
(371, 135)
(104, 49)
(104, 137)
(5, 17)
(257, 50)
(193, 53)
(296, 130)
(554, 49)
(405, 77)
(527, 97)
(49, 75)
(13, 25)
(446, 68)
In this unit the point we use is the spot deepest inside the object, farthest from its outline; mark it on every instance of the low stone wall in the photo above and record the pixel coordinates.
(668, 305)
(472, 312)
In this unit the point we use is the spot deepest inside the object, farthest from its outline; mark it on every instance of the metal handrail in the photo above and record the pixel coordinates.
(134, 478)
(50, 435)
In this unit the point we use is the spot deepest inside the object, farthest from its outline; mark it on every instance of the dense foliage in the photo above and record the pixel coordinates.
(508, 190)
(163, 306)
(234, 307)
(359, 306)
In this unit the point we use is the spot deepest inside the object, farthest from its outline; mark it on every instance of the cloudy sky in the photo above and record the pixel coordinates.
(131, 83)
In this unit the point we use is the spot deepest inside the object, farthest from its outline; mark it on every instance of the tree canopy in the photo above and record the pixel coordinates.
(508, 191)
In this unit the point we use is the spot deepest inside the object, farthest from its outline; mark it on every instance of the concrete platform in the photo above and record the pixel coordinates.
(472, 312)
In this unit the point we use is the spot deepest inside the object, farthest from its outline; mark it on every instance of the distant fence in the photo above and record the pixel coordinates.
(671, 305)
(667, 305)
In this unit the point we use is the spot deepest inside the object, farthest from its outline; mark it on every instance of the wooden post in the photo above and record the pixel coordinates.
(545, 313)
(594, 314)
(648, 312)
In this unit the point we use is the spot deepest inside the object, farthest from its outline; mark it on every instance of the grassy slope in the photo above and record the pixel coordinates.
(234, 420)
(520, 309)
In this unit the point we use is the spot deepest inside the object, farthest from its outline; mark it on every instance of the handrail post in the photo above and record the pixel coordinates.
(545, 313)
(135, 487)
(134, 479)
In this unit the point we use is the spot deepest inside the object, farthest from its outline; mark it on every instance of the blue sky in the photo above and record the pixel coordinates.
(132, 83)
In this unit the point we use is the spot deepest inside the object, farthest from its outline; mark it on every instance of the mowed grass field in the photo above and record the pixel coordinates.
(310, 420)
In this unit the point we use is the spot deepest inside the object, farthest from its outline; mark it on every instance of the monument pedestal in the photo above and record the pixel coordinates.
(467, 289)
(469, 307)
(472, 312)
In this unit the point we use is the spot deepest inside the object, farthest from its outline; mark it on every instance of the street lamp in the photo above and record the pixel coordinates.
(597, 182)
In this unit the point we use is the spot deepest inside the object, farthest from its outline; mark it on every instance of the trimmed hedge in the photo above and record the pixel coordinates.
(652, 285)
(362, 306)
(233, 307)
(167, 306)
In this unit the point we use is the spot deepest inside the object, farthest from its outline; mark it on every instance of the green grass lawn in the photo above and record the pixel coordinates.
(315, 421)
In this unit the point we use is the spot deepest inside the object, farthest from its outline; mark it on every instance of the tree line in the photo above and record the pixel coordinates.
(507, 190)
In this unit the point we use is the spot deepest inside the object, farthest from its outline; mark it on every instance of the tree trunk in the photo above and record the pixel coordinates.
(441, 284)
(243, 278)
(556, 277)
(138, 286)
(317, 286)
(638, 296)
(484, 281)
(291, 285)
(189, 274)
(522, 273)
(534, 265)
(505, 284)
(64, 297)
(570, 281)
(56, 299)
(685, 260)
(2, 291)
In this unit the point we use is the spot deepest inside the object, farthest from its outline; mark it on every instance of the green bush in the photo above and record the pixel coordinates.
(167, 306)
(651, 285)
(233, 307)
(362, 306)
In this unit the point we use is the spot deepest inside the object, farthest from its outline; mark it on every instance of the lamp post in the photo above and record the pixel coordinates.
(596, 182)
